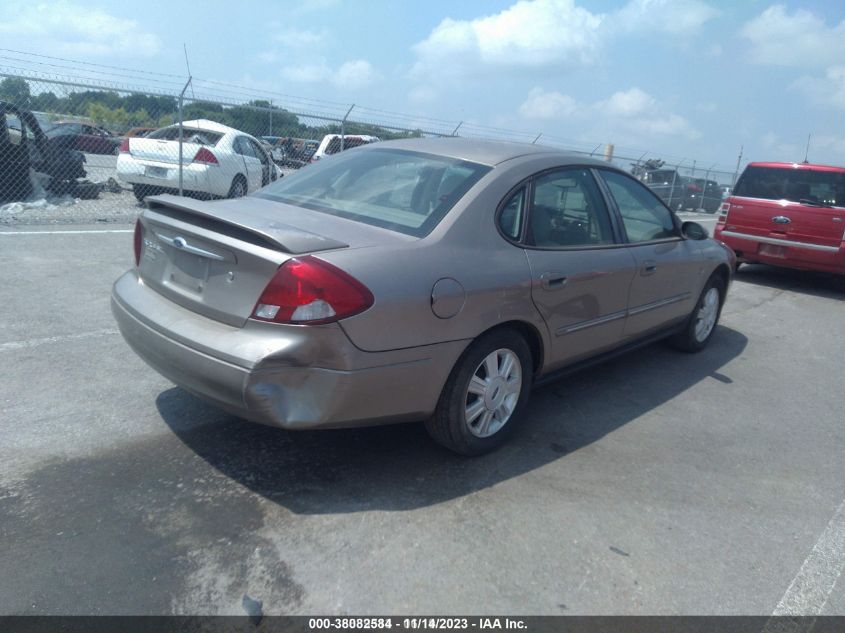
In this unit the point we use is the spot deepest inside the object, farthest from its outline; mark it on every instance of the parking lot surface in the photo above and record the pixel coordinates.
(657, 483)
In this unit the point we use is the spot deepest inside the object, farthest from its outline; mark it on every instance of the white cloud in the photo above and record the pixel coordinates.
(547, 105)
(800, 38)
(71, 29)
(547, 33)
(830, 143)
(675, 17)
(823, 147)
(304, 6)
(667, 125)
(631, 111)
(422, 95)
(530, 33)
(633, 102)
(293, 43)
(353, 74)
(298, 38)
(827, 91)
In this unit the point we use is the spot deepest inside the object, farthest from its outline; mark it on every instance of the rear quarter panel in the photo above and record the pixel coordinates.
(465, 247)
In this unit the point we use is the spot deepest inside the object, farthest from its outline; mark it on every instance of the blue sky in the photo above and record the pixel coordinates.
(691, 79)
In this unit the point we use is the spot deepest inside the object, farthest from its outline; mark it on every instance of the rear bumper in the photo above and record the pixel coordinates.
(195, 177)
(295, 377)
(791, 253)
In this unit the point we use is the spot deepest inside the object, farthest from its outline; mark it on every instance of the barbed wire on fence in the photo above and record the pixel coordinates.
(120, 101)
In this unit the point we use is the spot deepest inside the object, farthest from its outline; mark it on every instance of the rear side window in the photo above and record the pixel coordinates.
(798, 185)
(189, 135)
(403, 191)
(510, 219)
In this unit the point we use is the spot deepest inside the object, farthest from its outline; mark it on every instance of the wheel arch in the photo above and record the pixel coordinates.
(724, 273)
(532, 337)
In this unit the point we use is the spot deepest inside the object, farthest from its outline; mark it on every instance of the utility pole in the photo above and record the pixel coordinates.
(181, 101)
(738, 161)
(343, 125)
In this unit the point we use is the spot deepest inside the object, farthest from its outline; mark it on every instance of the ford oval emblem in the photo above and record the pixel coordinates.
(781, 219)
(179, 242)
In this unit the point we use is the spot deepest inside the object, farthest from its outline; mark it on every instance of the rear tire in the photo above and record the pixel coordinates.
(484, 395)
(702, 322)
(238, 188)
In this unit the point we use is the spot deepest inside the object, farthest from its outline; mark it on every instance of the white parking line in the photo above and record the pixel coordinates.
(812, 586)
(66, 232)
(35, 342)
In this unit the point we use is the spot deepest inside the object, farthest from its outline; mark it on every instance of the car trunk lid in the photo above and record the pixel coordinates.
(163, 151)
(216, 258)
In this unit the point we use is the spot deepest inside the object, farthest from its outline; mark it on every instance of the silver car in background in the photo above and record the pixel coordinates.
(425, 279)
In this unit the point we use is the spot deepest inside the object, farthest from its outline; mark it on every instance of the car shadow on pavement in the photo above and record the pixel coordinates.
(399, 468)
(817, 284)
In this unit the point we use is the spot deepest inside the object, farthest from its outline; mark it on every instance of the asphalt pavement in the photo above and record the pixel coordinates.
(658, 483)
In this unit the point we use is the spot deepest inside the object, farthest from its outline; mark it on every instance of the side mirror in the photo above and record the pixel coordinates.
(694, 231)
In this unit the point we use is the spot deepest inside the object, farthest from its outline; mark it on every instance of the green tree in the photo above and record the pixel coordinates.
(16, 91)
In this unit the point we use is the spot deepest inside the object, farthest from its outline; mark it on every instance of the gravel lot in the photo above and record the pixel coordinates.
(658, 483)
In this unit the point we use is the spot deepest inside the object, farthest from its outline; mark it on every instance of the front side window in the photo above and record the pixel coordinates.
(567, 210)
(645, 218)
(399, 190)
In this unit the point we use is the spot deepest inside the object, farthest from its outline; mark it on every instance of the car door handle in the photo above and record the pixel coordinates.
(553, 281)
(648, 268)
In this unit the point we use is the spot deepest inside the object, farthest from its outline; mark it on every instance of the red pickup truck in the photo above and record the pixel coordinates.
(787, 214)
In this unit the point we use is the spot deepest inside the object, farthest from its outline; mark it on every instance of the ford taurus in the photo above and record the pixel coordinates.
(425, 279)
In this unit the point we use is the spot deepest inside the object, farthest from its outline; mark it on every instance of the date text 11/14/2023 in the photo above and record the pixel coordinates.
(416, 623)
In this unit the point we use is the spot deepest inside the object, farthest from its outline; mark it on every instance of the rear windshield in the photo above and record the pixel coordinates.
(189, 135)
(664, 177)
(348, 143)
(399, 190)
(797, 185)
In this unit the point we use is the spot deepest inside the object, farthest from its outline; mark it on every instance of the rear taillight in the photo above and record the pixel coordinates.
(204, 155)
(138, 241)
(309, 290)
(723, 213)
(124, 146)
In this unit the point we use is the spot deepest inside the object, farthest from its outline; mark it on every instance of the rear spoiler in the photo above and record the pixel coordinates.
(236, 223)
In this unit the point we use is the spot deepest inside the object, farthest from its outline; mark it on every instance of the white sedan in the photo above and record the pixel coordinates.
(217, 162)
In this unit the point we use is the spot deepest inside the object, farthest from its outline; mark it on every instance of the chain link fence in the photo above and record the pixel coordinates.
(86, 148)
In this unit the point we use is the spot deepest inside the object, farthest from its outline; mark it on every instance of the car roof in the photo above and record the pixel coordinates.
(486, 152)
(211, 126)
(809, 166)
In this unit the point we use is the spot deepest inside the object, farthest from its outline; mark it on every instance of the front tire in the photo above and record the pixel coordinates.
(484, 395)
(702, 322)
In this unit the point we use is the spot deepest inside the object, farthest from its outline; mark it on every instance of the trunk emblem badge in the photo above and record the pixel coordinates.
(781, 219)
(180, 242)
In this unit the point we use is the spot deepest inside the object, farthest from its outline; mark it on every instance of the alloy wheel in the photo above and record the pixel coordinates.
(493, 393)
